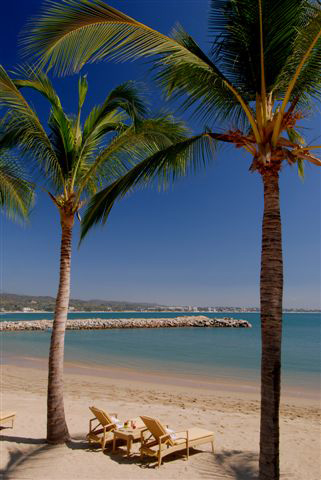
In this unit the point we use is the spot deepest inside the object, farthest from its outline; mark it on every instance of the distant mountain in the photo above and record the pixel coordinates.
(12, 301)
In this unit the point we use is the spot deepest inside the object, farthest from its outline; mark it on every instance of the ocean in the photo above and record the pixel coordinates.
(224, 354)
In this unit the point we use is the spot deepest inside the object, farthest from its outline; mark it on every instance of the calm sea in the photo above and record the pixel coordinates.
(217, 353)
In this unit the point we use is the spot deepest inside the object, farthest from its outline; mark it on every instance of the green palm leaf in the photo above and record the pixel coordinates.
(37, 80)
(133, 144)
(126, 97)
(195, 79)
(16, 191)
(62, 138)
(235, 30)
(72, 33)
(308, 83)
(22, 126)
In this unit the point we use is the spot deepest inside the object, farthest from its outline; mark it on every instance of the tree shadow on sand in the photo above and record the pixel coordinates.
(238, 465)
(18, 459)
(228, 465)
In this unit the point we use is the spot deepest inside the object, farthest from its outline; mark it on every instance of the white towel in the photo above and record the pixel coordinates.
(117, 422)
(172, 433)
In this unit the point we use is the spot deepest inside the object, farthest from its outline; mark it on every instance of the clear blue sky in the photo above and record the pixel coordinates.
(198, 244)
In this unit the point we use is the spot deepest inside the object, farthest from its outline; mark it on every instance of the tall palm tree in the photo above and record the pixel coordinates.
(77, 159)
(261, 75)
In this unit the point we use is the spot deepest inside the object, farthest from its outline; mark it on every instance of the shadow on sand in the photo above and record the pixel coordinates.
(232, 465)
(38, 447)
(238, 465)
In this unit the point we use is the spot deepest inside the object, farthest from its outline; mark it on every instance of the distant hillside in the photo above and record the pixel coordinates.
(11, 301)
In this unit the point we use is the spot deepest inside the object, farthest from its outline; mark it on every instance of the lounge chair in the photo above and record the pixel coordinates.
(165, 441)
(7, 417)
(102, 432)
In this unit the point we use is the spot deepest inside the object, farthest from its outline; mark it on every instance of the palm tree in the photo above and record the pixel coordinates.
(76, 160)
(261, 76)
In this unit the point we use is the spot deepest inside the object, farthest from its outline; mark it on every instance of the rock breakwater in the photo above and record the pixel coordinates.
(105, 324)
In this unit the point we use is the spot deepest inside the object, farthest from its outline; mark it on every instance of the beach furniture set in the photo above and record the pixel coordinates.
(156, 440)
(103, 427)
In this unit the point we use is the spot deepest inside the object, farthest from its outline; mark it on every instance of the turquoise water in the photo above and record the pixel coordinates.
(220, 353)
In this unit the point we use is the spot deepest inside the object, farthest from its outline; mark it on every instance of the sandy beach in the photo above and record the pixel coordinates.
(231, 411)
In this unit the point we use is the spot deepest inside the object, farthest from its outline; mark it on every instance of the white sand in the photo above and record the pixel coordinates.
(232, 413)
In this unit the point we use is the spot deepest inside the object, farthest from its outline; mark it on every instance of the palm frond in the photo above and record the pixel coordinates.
(82, 90)
(165, 165)
(234, 26)
(63, 130)
(309, 58)
(111, 124)
(129, 97)
(23, 129)
(190, 75)
(303, 65)
(135, 142)
(16, 191)
(126, 97)
(90, 149)
(69, 34)
(27, 76)
(300, 163)
(295, 136)
(62, 138)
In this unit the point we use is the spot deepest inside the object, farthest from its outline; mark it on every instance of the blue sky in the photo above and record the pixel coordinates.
(197, 244)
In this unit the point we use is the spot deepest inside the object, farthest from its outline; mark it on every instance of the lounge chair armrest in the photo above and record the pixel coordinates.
(162, 440)
(110, 426)
(186, 439)
(91, 422)
(143, 440)
(183, 438)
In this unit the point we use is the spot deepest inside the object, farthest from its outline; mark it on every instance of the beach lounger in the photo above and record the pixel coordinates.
(163, 441)
(7, 417)
(102, 432)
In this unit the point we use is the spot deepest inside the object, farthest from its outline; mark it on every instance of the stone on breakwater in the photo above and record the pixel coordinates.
(108, 323)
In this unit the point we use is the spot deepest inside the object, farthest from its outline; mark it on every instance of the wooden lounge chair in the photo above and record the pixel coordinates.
(163, 443)
(7, 417)
(102, 432)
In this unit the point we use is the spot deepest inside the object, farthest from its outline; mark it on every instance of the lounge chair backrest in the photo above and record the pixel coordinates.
(156, 428)
(101, 416)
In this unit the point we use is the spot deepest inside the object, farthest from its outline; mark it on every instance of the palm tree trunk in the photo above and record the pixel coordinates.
(57, 430)
(271, 292)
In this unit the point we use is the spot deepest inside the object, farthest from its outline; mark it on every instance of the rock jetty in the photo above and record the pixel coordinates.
(105, 324)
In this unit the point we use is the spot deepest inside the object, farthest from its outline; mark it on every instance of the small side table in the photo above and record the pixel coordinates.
(127, 434)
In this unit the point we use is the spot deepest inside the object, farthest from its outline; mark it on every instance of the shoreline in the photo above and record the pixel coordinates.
(249, 389)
